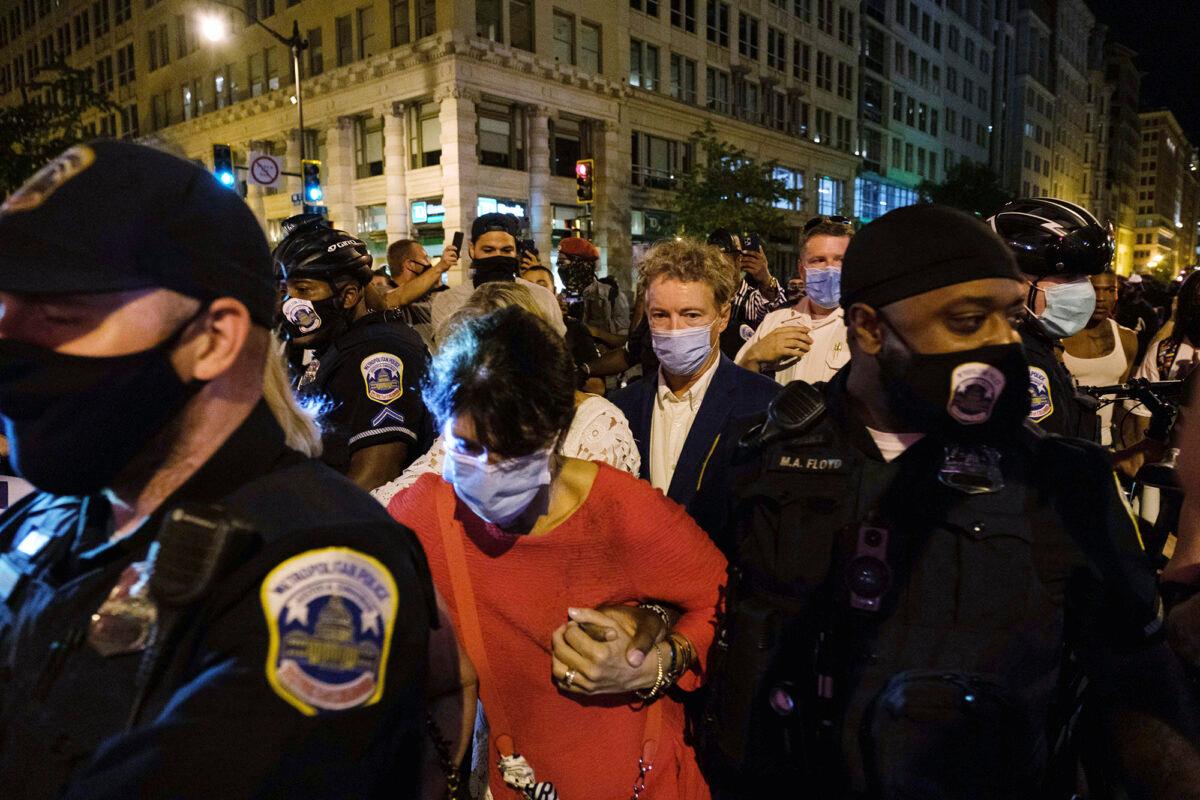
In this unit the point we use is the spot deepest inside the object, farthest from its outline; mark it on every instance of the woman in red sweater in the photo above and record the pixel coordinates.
(516, 537)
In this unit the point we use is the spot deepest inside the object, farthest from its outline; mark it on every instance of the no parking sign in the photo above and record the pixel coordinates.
(264, 170)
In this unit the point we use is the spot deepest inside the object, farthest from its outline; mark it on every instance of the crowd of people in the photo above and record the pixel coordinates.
(305, 525)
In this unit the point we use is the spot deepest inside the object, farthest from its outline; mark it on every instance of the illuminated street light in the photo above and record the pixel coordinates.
(212, 28)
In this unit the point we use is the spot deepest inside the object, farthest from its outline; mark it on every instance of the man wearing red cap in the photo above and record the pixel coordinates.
(601, 307)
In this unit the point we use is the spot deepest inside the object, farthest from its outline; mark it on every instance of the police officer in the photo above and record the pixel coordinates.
(189, 607)
(913, 556)
(365, 369)
(1057, 245)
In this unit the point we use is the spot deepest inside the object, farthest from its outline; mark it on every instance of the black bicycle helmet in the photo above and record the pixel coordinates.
(324, 254)
(1053, 237)
(299, 221)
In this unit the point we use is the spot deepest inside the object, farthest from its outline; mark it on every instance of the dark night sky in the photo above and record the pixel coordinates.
(1164, 34)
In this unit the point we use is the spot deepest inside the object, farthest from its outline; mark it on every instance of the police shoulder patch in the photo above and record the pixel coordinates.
(1041, 402)
(330, 616)
(383, 374)
(49, 178)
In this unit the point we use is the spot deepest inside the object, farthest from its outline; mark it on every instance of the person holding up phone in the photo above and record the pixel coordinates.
(758, 292)
(417, 278)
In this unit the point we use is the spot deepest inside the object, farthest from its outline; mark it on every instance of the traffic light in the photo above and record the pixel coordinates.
(313, 193)
(223, 165)
(583, 181)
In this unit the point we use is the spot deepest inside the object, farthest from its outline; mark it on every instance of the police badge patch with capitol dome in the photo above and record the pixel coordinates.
(330, 615)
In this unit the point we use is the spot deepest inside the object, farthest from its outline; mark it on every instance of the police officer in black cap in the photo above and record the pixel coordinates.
(365, 370)
(1057, 245)
(189, 607)
(913, 557)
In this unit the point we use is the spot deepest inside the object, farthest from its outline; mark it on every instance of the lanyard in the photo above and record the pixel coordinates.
(453, 536)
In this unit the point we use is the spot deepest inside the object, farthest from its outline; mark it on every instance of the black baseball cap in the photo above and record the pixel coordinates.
(508, 223)
(111, 216)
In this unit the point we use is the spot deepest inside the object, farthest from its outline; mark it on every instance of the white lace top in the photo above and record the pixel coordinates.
(599, 432)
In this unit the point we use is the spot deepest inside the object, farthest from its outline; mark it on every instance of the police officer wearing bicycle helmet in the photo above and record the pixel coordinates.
(364, 370)
(1057, 245)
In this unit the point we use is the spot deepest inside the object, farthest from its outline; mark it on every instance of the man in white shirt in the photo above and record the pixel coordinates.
(493, 251)
(681, 416)
(807, 341)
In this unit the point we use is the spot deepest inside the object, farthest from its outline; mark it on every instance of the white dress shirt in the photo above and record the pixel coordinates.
(829, 351)
(670, 424)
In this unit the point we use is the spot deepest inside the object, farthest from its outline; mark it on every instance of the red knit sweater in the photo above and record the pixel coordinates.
(627, 542)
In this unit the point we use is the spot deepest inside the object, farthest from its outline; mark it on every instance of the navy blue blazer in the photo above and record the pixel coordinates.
(702, 474)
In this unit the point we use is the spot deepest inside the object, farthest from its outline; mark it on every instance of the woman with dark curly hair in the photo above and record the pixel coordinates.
(519, 540)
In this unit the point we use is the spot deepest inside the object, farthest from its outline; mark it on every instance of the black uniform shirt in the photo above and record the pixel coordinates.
(1055, 404)
(300, 673)
(368, 382)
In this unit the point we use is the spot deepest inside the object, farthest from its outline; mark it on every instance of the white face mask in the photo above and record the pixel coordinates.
(1069, 306)
(682, 351)
(497, 493)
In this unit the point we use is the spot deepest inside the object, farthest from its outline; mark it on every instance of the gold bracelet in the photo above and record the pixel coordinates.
(660, 680)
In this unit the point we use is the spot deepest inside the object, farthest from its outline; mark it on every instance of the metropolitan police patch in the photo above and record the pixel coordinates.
(330, 615)
(384, 376)
(1041, 404)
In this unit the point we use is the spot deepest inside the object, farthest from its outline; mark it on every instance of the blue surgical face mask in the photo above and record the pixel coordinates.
(823, 285)
(1069, 306)
(497, 493)
(682, 352)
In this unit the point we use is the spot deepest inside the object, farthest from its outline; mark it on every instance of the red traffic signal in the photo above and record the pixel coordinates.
(583, 181)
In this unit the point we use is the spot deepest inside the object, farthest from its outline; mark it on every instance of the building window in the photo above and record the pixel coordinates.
(830, 193)
(368, 147)
(501, 135)
(189, 98)
(401, 27)
(846, 26)
(344, 32)
(683, 14)
(566, 145)
(126, 72)
(104, 74)
(185, 36)
(793, 180)
(845, 85)
(130, 126)
(825, 16)
(122, 11)
(564, 38)
(316, 52)
(717, 90)
(717, 23)
(801, 58)
(748, 36)
(648, 6)
(366, 31)
(824, 71)
(643, 65)
(590, 58)
(872, 100)
(427, 17)
(271, 69)
(683, 79)
(158, 112)
(100, 18)
(223, 86)
(254, 72)
(658, 162)
(776, 49)
(488, 21)
(425, 135)
(520, 24)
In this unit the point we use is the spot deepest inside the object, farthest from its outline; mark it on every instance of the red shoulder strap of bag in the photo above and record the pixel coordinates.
(472, 634)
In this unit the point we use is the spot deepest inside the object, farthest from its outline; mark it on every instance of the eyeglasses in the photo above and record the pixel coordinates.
(834, 218)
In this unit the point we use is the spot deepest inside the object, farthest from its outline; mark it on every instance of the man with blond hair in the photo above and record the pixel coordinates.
(679, 416)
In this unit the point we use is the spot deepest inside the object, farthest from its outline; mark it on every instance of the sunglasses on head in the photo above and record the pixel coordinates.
(834, 218)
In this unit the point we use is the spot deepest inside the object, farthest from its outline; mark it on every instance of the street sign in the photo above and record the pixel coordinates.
(264, 170)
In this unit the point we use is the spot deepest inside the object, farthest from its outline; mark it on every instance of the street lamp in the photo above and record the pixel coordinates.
(214, 29)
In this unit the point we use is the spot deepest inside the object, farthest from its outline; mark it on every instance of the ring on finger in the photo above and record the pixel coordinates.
(569, 678)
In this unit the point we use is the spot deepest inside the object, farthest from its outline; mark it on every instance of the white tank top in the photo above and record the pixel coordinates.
(1103, 371)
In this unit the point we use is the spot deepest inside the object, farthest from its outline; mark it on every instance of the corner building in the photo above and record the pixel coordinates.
(425, 113)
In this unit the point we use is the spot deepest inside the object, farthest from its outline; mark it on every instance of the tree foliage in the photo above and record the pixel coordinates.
(968, 186)
(726, 188)
(48, 120)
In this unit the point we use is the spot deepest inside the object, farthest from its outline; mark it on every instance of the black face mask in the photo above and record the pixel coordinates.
(576, 276)
(493, 268)
(969, 396)
(325, 319)
(74, 422)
